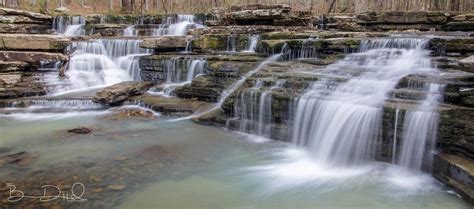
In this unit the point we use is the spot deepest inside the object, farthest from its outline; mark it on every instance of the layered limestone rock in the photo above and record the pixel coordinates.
(467, 64)
(166, 43)
(19, 21)
(34, 58)
(456, 172)
(172, 105)
(118, 93)
(30, 42)
(257, 14)
(17, 84)
(399, 20)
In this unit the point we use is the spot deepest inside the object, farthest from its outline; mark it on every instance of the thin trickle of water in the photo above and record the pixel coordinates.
(341, 125)
(395, 140)
(231, 40)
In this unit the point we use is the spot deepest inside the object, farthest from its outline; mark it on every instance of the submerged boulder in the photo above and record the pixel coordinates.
(118, 93)
(131, 113)
(80, 130)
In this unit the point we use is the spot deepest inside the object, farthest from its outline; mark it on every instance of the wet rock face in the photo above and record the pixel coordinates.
(19, 21)
(118, 93)
(455, 172)
(456, 132)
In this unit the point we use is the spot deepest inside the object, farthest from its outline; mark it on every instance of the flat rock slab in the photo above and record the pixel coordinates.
(173, 105)
(31, 57)
(120, 92)
(467, 64)
(166, 43)
(456, 172)
(15, 12)
(33, 42)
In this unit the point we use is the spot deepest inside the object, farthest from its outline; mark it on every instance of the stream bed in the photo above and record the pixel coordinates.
(166, 163)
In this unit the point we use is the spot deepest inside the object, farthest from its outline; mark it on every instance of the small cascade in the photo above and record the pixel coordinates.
(100, 62)
(130, 31)
(197, 67)
(178, 70)
(189, 46)
(231, 40)
(419, 130)
(254, 109)
(252, 43)
(177, 25)
(58, 105)
(69, 25)
(340, 123)
(306, 50)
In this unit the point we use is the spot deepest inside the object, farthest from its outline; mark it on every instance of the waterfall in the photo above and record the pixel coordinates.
(178, 70)
(231, 43)
(420, 128)
(197, 67)
(69, 25)
(177, 25)
(252, 43)
(189, 46)
(254, 109)
(130, 31)
(101, 62)
(340, 122)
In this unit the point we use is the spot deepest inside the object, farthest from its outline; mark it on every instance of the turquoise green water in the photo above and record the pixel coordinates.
(216, 168)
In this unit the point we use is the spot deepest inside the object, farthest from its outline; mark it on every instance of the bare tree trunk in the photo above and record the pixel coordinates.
(111, 6)
(164, 6)
(331, 6)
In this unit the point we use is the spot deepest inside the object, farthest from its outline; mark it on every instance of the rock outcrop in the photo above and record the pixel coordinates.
(166, 43)
(257, 14)
(30, 42)
(19, 21)
(118, 93)
(456, 172)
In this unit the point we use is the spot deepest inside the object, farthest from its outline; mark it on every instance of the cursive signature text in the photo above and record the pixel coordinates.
(50, 193)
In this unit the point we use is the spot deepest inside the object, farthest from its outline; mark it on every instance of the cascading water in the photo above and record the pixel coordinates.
(130, 31)
(252, 43)
(101, 62)
(69, 25)
(419, 130)
(254, 109)
(340, 125)
(231, 43)
(177, 25)
(179, 72)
